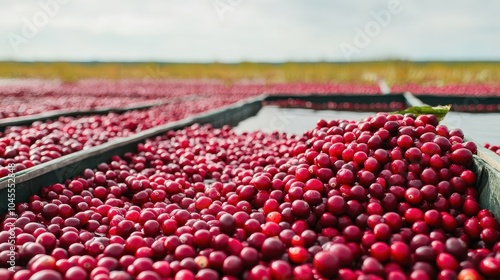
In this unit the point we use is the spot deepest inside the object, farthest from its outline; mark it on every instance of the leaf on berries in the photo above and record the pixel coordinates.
(439, 111)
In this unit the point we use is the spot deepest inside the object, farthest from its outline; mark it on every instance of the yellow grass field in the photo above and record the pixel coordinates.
(393, 72)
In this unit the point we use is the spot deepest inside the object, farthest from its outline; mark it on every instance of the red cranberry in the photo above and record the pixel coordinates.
(259, 272)
(400, 253)
(343, 253)
(272, 248)
(447, 261)
(327, 264)
(490, 266)
(372, 266)
(281, 270)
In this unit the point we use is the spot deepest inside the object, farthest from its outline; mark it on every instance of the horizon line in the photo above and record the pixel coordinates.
(248, 62)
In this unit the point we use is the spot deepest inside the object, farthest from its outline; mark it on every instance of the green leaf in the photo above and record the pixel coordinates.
(439, 111)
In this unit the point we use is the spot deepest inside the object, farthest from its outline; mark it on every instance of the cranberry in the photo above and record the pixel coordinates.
(372, 266)
(400, 253)
(281, 270)
(462, 156)
(227, 224)
(382, 231)
(184, 274)
(490, 266)
(259, 272)
(298, 255)
(447, 261)
(336, 205)
(249, 256)
(46, 274)
(469, 273)
(300, 208)
(327, 264)
(272, 248)
(380, 251)
(456, 247)
(345, 176)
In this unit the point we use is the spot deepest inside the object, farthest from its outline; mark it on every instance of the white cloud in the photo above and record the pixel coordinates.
(189, 30)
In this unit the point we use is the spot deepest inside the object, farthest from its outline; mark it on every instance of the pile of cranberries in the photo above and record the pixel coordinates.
(39, 96)
(331, 105)
(27, 146)
(494, 148)
(389, 197)
(478, 90)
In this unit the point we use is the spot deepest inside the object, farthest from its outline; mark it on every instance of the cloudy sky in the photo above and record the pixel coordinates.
(249, 30)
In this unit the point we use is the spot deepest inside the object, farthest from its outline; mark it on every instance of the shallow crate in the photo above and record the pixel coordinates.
(30, 181)
(472, 104)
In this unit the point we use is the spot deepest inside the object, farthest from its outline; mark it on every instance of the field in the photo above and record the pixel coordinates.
(393, 72)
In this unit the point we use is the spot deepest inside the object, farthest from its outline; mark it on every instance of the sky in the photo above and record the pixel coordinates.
(248, 30)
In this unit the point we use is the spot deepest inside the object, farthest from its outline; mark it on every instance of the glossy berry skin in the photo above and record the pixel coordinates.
(298, 255)
(447, 261)
(281, 270)
(343, 253)
(490, 267)
(327, 264)
(400, 253)
(380, 251)
(391, 196)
